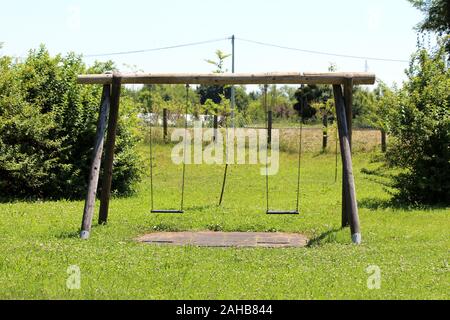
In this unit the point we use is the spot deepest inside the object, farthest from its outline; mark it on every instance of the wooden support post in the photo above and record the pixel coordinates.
(348, 97)
(89, 205)
(165, 124)
(350, 194)
(110, 146)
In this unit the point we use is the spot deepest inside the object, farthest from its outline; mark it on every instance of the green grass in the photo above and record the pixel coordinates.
(38, 241)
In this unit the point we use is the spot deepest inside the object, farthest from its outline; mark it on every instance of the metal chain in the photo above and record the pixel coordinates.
(185, 146)
(267, 147)
(300, 150)
(151, 151)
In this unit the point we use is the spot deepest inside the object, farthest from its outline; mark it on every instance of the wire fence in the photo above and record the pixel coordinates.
(363, 140)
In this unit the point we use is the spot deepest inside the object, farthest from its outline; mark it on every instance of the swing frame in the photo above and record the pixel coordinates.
(109, 112)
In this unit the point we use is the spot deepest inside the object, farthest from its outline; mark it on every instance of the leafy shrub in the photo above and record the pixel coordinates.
(420, 126)
(48, 125)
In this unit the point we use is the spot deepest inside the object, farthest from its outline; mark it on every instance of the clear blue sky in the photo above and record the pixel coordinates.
(378, 28)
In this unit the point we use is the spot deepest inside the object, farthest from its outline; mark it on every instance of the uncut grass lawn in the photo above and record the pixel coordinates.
(39, 240)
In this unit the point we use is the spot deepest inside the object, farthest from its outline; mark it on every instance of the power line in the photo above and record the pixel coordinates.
(321, 52)
(156, 49)
(248, 41)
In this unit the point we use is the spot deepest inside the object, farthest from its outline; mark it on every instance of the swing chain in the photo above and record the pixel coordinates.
(184, 158)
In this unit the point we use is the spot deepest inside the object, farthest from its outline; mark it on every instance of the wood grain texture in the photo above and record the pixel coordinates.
(348, 98)
(351, 205)
(110, 147)
(88, 212)
(237, 78)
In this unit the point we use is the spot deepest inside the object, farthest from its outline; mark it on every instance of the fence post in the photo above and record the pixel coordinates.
(215, 125)
(383, 141)
(325, 132)
(269, 126)
(165, 125)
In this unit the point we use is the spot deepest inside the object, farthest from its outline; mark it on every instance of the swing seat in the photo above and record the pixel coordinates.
(282, 212)
(167, 211)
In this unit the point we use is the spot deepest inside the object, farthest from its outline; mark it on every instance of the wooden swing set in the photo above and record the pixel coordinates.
(342, 83)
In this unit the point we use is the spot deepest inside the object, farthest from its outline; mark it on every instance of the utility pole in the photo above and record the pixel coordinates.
(233, 92)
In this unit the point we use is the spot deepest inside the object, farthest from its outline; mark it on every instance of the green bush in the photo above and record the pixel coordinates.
(420, 125)
(47, 129)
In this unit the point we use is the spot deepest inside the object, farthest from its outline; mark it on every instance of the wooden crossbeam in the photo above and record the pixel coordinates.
(236, 78)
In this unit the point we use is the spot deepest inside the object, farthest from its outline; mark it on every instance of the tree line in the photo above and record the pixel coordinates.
(48, 122)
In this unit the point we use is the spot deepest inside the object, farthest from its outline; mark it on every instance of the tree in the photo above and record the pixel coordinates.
(419, 122)
(157, 97)
(219, 63)
(217, 93)
(437, 17)
(171, 97)
(214, 93)
(280, 102)
(311, 98)
(305, 96)
(47, 128)
(378, 106)
(241, 97)
(326, 110)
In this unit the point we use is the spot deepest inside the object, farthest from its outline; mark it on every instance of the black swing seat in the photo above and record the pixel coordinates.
(167, 211)
(282, 212)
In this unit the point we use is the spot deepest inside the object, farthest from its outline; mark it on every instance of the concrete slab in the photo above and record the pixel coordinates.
(226, 239)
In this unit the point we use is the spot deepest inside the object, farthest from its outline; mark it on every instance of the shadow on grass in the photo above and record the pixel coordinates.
(15, 200)
(394, 204)
(203, 208)
(380, 175)
(75, 234)
(69, 235)
(329, 236)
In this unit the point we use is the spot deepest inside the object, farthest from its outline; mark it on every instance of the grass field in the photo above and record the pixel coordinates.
(39, 241)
